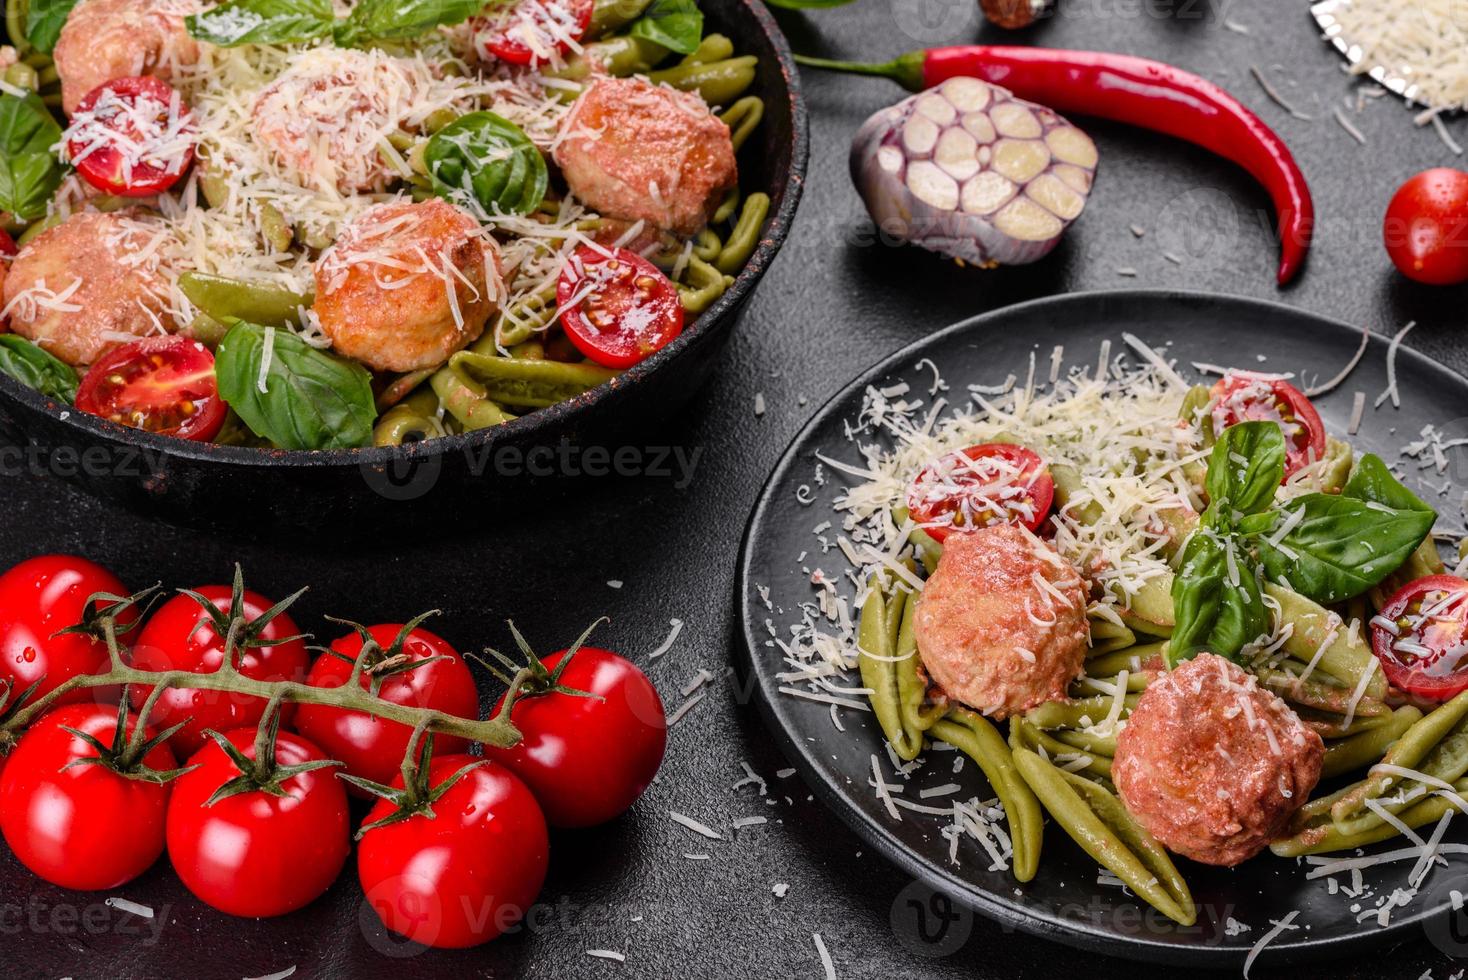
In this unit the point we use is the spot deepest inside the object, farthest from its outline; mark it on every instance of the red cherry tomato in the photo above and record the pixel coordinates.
(8, 248)
(1421, 638)
(1426, 227)
(179, 636)
(617, 310)
(158, 384)
(996, 483)
(1243, 397)
(256, 854)
(465, 876)
(82, 827)
(588, 759)
(132, 137)
(40, 597)
(532, 32)
(373, 748)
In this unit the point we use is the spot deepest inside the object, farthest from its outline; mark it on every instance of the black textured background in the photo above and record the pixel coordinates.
(834, 303)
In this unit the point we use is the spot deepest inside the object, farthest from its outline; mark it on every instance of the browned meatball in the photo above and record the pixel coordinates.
(1212, 764)
(406, 285)
(88, 285)
(642, 152)
(107, 39)
(1001, 624)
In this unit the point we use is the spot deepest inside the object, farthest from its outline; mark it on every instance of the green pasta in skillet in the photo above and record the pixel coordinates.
(310, 229)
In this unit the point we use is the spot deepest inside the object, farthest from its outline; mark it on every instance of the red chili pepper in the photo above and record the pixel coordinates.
(1136, 91)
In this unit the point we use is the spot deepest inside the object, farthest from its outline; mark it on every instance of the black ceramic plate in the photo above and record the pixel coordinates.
(1065, 902)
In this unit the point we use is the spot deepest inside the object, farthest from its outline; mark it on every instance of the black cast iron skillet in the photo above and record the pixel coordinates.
(205, 485)
(1065, 902)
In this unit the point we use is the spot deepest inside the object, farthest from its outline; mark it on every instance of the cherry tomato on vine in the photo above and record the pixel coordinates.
(132, 137)
(158, 384)
(469, 873)
(1426, 227)
(1421, 638)
(994, 483)
(255, 853)
(38, 598)
(182, 636)
(531, 32)
(373, 747)
(86, 827)
(588, 759)
(1243, 397)
(618, 310)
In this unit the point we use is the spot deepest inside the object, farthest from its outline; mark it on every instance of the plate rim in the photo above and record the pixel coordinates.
(996, 907)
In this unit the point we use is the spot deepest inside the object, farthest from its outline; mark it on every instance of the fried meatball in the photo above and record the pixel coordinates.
(633, 150)
(406, 285)
(107, 39)
(324, 117)
(1214, 765)
(1001, 624)
(89, 285)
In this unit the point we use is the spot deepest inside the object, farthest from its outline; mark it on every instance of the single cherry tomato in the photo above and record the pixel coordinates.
(182, 636)
(617, 310)
(133, 137)
(465, 875)
(40, 597)
(371, 747)
(1426, 227)
(86, 827)
(588, 759)
(158, 384)
(995, 483)
(532, 32)
(1244, 397)
(1421, 638)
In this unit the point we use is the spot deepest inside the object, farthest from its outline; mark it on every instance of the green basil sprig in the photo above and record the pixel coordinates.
(44, 20)
(675, 24)
(1336, 546)
(239, 22)
(35, 368)
(29, 174)
(312, 399)
(1215, 609)
(485, 158)
(262, 22)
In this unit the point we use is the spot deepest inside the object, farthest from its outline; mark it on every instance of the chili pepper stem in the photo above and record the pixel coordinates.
(906, 69)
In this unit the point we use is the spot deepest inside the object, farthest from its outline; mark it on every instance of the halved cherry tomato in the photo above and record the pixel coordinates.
(1426, 227)
(532, 32)
(39, 598)
(1421, 637)
(82, 826)
(1244, 397)
(181, 636)
(996, 483)
(132, 137)
(617, 310)
(158, 384)
(373, 747)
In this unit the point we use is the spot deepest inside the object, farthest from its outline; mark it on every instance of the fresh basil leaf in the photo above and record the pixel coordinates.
(29, 174)
(34, 368)
(1246, 467)
(44, 20)
(377, 20)
(262, 22)
(1215, 609)
(675, 24)
(312, 399)
(1340, 546)
(485, 163)
(1371, 480)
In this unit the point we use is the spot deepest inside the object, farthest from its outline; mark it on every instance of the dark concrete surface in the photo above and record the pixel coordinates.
(834, 303)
